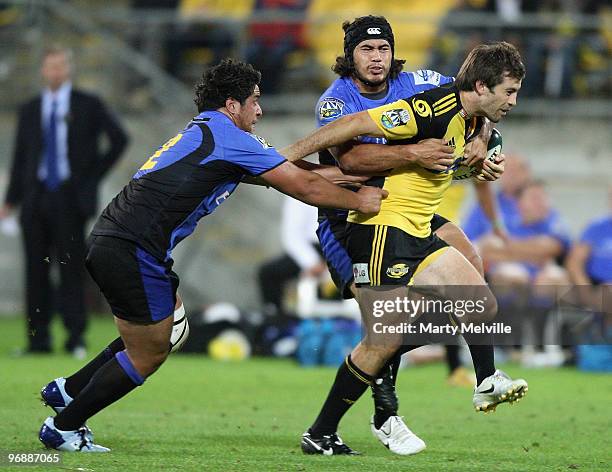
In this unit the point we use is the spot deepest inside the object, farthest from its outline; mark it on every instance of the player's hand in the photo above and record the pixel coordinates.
(336, 176)
(370, 199)
(475, 151)
(316, 270)
(434, 154)
(491, 171)
(501, 233)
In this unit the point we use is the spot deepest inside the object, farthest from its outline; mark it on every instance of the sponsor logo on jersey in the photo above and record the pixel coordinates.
(397, 271)
(262, 141)
(360, 273)
(421, 108)
(221, 198)
(373, 30)
(394, 118)
(330, 108)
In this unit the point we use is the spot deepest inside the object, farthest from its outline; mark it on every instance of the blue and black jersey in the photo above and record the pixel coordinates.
(186, 179)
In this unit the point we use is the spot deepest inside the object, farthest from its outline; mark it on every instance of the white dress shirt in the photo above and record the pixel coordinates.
(298, 232)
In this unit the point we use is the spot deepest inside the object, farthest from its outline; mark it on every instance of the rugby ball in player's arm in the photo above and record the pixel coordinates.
(494, 149)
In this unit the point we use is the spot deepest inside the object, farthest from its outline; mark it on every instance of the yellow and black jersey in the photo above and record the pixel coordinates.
(414, 192)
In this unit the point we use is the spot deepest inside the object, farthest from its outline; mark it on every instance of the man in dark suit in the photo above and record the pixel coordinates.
(57, 165)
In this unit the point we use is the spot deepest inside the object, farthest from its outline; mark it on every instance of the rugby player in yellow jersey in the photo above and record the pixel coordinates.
(370, 76)
(396, 247)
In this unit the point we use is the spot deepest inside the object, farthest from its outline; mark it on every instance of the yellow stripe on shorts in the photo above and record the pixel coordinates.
(425, 263)
(378, 249)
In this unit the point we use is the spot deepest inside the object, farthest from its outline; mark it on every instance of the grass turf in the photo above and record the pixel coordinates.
(197, 414)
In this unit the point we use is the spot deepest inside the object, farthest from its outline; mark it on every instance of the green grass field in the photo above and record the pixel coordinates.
(197, 414)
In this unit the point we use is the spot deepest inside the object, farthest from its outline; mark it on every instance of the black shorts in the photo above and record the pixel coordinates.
(437, 222)
(137, 286)
(384, 255)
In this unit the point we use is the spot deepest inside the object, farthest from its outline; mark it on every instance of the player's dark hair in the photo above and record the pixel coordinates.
(359, 30)
(228, 79)
(489, 63)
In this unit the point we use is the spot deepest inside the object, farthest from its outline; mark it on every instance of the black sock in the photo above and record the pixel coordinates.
(483, 358)
(77, 381)
(452, 357)
(396, 360)
(481, 350)
(112, 381)
(386, 403)
(349, 385)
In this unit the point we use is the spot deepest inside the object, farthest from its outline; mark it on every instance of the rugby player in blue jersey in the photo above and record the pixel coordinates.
(130, 248)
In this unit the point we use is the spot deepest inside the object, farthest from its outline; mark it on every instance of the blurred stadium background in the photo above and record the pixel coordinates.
(144, 56)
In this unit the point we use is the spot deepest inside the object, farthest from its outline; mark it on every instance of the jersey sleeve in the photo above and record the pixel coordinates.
(424, 79)
(251, 152)
(330, 108)
(396, 120)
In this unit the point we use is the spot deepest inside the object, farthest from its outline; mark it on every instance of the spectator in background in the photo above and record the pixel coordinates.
(301, 256)
(56, 168)
(537, 241)
(207, 32)
(272, 39)
(525, 271)
(477, 224)
(589, 262)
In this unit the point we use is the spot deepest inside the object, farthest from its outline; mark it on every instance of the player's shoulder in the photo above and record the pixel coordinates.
(335, 101)
(423, 78)
(435, 93)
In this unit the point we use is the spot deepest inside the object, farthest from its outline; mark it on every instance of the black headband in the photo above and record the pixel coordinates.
(367, 27)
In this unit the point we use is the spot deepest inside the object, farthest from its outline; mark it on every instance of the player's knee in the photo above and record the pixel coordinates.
(490, 307)
(146, 363)
(474, 258)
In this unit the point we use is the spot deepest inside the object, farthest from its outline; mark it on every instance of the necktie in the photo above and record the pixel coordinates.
(52, 182)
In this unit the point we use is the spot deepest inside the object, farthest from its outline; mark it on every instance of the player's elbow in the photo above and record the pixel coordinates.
(349, 164)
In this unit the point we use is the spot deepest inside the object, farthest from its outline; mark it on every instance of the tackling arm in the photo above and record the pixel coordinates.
(315, 190)
(369, 159)
(340, 131)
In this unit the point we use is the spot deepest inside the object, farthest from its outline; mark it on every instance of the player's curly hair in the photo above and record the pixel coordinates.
(345, 68)
(489, 63)
(228, 79)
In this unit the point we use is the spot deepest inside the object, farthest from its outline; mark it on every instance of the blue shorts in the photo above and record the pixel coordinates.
(138, 287)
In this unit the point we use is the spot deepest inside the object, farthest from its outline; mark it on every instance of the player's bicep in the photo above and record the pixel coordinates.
(394, 120)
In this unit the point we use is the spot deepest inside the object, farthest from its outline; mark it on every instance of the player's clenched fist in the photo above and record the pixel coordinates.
(370, 199)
